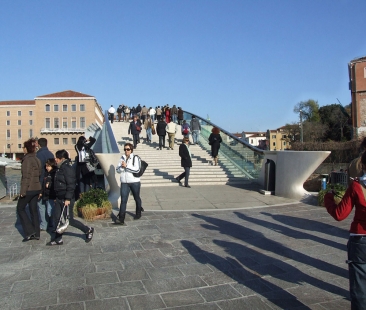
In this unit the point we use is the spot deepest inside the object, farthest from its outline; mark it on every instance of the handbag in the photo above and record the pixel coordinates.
(63, 222)
(90, 166)
(153, 129)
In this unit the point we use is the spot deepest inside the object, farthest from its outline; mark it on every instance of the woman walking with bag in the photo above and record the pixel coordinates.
(65, 183)
(148, 127)
(127, 166)
(30, 189)
(214, 140)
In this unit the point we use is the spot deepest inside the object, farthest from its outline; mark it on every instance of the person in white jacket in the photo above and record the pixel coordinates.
(171, 129)
(127, 166)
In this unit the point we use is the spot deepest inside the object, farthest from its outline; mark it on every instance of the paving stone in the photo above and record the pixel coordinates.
(182, 298)
(39, 299)
(164, 272)
(81, 293)
(166, 262)
(108, 266)
(101, 278)
(143, 302)
(10, 301)
(252, 302)
(205, 306)
(69, 306)
(195, 269)
(110, 304)
(119, 289)
(219, 292)
(30, 286)
(133, 274)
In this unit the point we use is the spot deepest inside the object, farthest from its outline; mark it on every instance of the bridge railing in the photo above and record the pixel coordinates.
(243, 155)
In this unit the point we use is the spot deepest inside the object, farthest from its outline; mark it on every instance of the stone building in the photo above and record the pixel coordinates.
(357, 86)
(59, 117)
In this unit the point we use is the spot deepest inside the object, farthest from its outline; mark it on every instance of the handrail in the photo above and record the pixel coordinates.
(109, 143)
(248, 145)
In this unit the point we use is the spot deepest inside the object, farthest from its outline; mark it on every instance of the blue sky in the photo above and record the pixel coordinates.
(244, 63)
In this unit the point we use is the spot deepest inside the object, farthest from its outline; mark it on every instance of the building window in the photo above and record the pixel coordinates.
(8, 122)
(19, 113)
(274, 144)
(30, 113)
(64, 122)
(56, 123)
(19, 133)
(8, 134)
(19, 146)
(55, 108)
(30, 122)
(7, 113)
(19, 122)
(64, 107)
(364, 72)
(73, 140)
(64, 141)
(73, 107)
(284, 143)
(73, 122)
(273, 136)
(251, 141)
(30, 133)
(8, 145)
(48, 123)
(47, 108)
(56, 141)
(82, 122)
(82, 107)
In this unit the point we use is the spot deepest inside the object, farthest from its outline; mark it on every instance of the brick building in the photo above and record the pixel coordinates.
(357, 86)
(59, 117)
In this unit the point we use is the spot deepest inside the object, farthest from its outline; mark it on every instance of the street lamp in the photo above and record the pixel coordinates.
(301, 128)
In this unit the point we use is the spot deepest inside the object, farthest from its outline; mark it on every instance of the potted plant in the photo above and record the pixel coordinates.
(337, 188)
(93, 204)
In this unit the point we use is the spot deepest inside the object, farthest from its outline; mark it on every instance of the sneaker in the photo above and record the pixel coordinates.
(89, 235)
(54, 242)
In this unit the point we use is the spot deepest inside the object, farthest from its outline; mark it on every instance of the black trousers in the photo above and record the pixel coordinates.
(30, 225)
(185, 175)
(59, 204)
(161, 141)
(357, 271)
(136, 139)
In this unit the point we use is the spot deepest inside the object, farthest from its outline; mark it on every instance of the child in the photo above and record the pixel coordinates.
(48, 192)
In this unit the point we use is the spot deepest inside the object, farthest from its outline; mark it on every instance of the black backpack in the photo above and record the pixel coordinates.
(143, 167)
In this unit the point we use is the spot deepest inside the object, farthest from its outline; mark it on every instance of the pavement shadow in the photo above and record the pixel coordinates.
(294, 233)
(265, 250)
(242, 273)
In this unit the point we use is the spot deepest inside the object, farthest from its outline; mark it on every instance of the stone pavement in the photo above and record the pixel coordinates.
(208, 247)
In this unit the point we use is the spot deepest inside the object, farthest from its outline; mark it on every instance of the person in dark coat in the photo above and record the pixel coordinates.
(180, 116)
(214, 140)
(84, 178)
(135, 129)
(185, 160)
(64, 187)
(30, 188)
(43, 154)
(161, 131)
(48, 190)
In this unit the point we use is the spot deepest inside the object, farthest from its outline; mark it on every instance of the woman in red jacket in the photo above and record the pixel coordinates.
(354, 196)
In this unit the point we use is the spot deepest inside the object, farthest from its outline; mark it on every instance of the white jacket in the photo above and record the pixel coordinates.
(127, 173)
(171, 127)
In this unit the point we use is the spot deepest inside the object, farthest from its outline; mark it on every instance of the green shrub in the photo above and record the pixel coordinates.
(94, 196)
(337, 188)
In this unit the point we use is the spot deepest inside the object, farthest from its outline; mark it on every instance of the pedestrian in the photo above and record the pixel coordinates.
(135, 129)
(152, 113)
(214, 140)
(195, 128)
(148, 127)
(161, 132)
(138, 111)
(119, 112)
(144, 111)
(85, 178)
(111, 112)
(30, 189)
(65, 182)
(174, 113)
(185, 160)
(127, 166)
(185, 129)
(354, 197)
(180, 116)
(171, 129)
(43, 154)
(127, 114)
(48, 190)
(167, 114)
(158, 113)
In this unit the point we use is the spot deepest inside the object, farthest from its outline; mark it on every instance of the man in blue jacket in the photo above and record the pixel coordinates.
(43, 154)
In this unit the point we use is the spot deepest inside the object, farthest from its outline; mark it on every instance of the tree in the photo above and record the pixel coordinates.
(314, 131)
(292, 131)
(336, 118)
(309, 110)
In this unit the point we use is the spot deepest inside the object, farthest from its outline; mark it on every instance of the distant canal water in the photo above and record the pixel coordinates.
(13, 176)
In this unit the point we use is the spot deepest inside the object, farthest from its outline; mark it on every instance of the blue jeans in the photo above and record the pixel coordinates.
(185, 175)
(50, 203)
(357, 271)
(152, 117)
(174, 118)
(148, 134)
(125, 192)
(42, 207)
(196, 136)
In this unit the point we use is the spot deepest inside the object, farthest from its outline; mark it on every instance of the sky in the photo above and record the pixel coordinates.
(244, 64)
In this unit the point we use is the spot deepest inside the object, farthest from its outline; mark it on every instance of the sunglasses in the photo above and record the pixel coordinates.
(127, 149)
